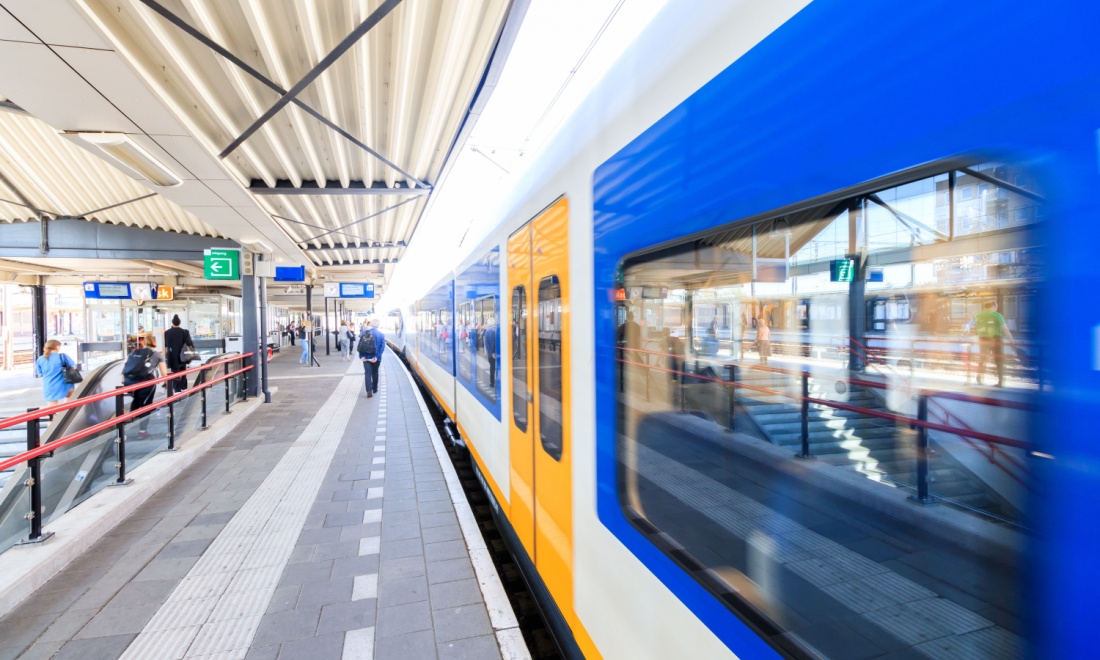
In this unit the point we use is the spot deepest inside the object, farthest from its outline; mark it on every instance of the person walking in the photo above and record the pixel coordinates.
(50, 368)
(175, 340)
(489, 342)
(372, 343)
(992, 330)
(763, 340)
(349, 341)
(142, 365)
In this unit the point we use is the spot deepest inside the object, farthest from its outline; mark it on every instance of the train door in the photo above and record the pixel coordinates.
(541, 471)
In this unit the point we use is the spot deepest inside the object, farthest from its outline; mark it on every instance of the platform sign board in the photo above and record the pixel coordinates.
(356, 290)
(107, 290)
(290, 273)
(842, 270)
(221, 264)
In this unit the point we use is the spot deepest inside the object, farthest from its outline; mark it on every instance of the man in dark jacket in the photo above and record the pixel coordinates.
(175, 339)
(371, 360)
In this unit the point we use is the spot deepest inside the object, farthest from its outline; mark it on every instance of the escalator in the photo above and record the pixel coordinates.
(76, 471)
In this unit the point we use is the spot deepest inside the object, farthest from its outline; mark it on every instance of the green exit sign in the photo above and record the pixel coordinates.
(842, 270)
(221, 264)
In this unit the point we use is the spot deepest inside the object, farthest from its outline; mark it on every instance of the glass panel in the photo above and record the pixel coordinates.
(488, 351)
(519, 357)
(466, 328)
(549, 366)
(719, 338)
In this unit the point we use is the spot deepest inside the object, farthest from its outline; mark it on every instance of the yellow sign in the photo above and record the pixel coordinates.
(164, 293)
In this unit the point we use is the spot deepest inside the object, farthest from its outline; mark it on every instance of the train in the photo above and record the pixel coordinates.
(834, 183)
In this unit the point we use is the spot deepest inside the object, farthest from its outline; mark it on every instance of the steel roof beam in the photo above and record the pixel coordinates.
(73, 238)
(355, 222)
(272, 85)
(365, 245)
(358, 33)
(285, 187)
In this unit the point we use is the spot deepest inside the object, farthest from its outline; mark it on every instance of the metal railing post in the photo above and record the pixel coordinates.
(34, 482)
(226, 381)
(168, 391)
(244, 380)
(805, 453)
(922, 496)
(683, 388)
(203, 408)
(120, 440)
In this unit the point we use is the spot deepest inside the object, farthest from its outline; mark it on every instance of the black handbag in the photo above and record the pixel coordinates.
(189, 354)
(72, 374)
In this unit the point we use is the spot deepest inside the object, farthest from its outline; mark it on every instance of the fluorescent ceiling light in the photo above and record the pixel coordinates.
(132, 158)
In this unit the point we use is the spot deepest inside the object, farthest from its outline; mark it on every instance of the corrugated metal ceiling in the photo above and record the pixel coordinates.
(403, 90)
(61, 179)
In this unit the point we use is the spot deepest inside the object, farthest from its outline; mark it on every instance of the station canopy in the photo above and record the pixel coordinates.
(315, 130)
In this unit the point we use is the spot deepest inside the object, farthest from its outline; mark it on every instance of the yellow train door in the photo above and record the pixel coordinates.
(541, 454)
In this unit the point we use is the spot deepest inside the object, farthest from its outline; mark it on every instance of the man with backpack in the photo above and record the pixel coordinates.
(142, 365)
(372, 343)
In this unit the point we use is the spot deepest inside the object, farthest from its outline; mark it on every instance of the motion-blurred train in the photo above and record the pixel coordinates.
(834, 171)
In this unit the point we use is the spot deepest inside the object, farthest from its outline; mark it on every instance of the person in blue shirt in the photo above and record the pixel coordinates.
(371, 360)
(49, 368)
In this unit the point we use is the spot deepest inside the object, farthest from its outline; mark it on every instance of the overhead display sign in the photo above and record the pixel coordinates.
(842, 270)
(290, 274)
(107, 290)
(165, 293)
(221, 264)
(356, 290)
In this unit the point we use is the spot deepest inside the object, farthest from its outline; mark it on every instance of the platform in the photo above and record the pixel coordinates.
(327, 525)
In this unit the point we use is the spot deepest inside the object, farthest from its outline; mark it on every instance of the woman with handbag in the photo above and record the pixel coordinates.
(179, 351)
(51, 368)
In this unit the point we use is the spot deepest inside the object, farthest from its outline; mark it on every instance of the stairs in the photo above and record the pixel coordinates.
(877, 448)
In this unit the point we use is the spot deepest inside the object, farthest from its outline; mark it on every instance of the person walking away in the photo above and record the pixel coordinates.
(142, 364)
(372, 343)
(489, 341)
(763, 340)
(175, 340)
(292, 332)
(992, 330)
(50, 368)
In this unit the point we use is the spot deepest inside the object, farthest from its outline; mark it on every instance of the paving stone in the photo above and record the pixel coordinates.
(399, 591)
(18, 634)
(337, 617)
(317, 594)
(117, 621)
(402, 548)
(322, 646)
(453, 623)
(341, 519)
(95, 648)
(445, 550)
(439, 534)
(472, 648)
(352, 566)
(411, 646)
(401, 532)
(284, 598)
(185, 549)
(449, 570)
(402, 619)
(306, 573)
(401, 567)
(264, 652)
(280, 627)
(336, 550)
(318, 536)
(147, 593)
(453, 594)
(347, 495)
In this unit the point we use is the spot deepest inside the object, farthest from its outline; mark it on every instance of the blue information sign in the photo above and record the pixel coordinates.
(107, 290)
(290, 273)
(356, 290)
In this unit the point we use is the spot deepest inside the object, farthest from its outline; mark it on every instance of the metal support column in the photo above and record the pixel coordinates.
(923, 453)
(328, 348)
(263, 325)
(805, 450)
(251, 341)
(38, 317)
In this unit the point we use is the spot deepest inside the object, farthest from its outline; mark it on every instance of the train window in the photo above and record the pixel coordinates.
(485, 344)
(519, 357)
(466, 328)
(711, 416)
(549, 366)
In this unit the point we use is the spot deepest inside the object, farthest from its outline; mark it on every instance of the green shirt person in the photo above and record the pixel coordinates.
(992, 330)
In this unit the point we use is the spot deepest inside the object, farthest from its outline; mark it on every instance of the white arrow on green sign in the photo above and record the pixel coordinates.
(221, 264)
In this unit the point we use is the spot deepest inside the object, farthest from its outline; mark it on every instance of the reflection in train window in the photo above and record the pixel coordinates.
(735, 326)
(484, 343)
(519, 357)
(549, 366)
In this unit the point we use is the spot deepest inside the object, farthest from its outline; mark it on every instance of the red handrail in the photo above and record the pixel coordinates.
(115, 421)
(76, 403)
(912, 421)
(948, 416)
